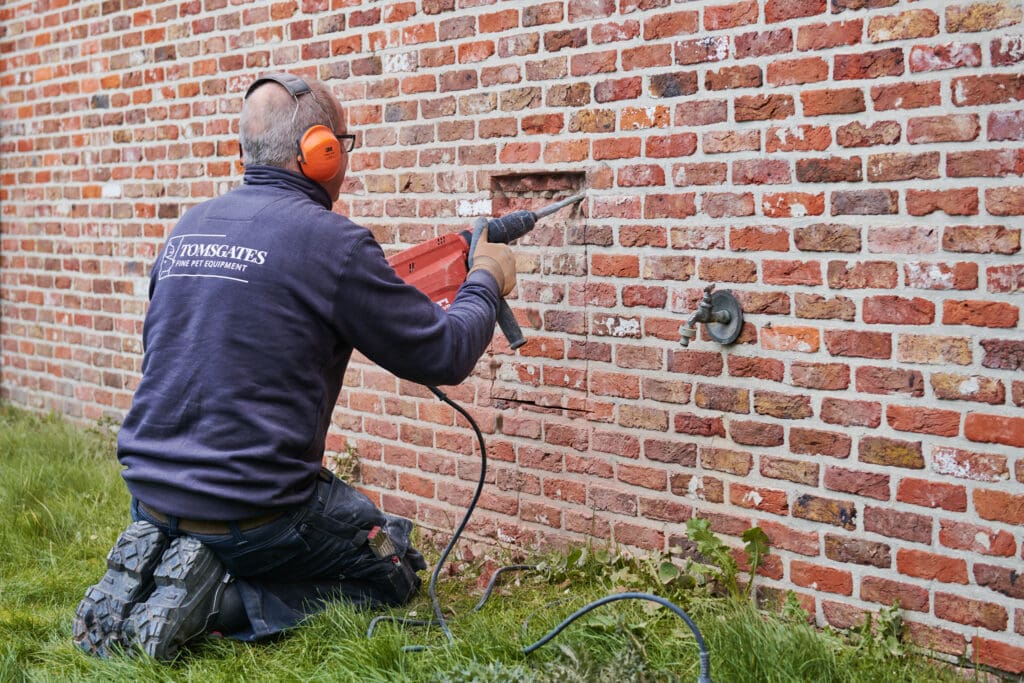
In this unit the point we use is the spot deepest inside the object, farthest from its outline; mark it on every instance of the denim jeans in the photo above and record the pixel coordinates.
(289, 568)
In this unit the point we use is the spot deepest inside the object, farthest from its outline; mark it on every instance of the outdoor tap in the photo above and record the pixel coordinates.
(721, 314)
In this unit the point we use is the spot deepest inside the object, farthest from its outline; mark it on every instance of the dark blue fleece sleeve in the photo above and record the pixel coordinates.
(399, 328)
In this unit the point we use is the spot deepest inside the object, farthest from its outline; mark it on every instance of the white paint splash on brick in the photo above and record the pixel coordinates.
(944, 461)
(111, 190)
(1013, 47)
(982, 539)
(395, 63)
(622, 327)
(753, 497)
(929, 275)
(474, 207)
(969, 386)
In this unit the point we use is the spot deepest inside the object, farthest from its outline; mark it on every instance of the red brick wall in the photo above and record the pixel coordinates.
(851, 169)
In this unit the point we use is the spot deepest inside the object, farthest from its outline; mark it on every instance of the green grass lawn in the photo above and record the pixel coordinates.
(62, 504)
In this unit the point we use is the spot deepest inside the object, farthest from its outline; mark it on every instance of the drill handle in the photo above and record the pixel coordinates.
(506, 319)
(510, 227)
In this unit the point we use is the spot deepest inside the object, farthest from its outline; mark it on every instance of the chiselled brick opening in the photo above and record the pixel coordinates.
(530, 191)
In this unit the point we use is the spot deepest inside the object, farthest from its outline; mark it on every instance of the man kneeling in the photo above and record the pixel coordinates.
(257, 301)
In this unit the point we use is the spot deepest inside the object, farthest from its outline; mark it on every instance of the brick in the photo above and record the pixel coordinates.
(951, 497)
(772, 501)
(805, 340)
(999, 655)
(763, 43)
(867, 484)
(857, 134)
(731, 15)
(953, 387)
(1006, 280)
(999, 506)
(761, 368)
(949, 128)
(798, 138)
(982, 16)
(764, 107)
(827, 376)
(851, 413)
(970, 91)
(906, 96)
(673, 452)
(610, 32)
(914, 348)
(1005, 201)
(1007, 50)
(880, 380)
(879, 450)
(850, 343)
(936, 639)
(873, 64)
(886, 591)
(924, 420)
(901, 166)
(971, 465)
(826, 510)
(957, 608)
(980, 313)
(946, 56)
(829, 170)
(821, 578)
(836, 101)
(727, 399)
(783, 10)
(864, 202)
(827, 237)
(895, 310)
(981, 239)
(613, 500)
(756, 433)
(793, 204)
(908, 526)
(669, 24)
(857, 551)
(1003, 354)
(1000, 579)
(931, 566)
(823, 36)
(941, 276)
(903, 26)
(982, 540)
(814, 441)
(868, 274)
(790, 470)
(782, 406)
(733, 77)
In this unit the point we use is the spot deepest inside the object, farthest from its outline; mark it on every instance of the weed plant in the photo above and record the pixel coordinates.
(62, 504)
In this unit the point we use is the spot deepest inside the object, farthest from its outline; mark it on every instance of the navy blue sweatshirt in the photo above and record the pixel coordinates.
(256, 303)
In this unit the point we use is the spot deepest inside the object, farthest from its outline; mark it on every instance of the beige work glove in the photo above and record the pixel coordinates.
(496, 259)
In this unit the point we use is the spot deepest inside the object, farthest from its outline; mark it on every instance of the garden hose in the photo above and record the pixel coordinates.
(705, 656)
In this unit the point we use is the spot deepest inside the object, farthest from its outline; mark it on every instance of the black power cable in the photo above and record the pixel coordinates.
(705, 656)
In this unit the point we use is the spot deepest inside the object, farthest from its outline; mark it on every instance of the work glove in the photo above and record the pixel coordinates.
(498, 260)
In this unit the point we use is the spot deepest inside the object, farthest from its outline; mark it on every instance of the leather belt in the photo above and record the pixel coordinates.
(211, 527)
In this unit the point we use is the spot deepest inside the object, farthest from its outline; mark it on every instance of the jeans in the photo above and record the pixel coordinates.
(289, 568)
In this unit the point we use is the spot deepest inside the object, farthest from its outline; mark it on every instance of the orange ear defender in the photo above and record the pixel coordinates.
(319, 154)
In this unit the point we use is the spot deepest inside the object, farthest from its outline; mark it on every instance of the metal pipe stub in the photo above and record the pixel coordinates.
(726, 321)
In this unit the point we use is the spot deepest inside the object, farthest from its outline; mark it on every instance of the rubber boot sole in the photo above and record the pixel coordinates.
(189, 583)
(129, 579)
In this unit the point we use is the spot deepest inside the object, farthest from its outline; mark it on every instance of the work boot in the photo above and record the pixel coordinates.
(190, 581)
(129, 579)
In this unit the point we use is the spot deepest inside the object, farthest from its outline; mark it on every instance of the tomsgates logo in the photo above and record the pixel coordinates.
(208, 256)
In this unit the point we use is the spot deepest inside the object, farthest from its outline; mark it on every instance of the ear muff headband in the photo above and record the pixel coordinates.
(319, 154)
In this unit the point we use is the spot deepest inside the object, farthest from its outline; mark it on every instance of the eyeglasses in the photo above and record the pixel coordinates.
(348, 140)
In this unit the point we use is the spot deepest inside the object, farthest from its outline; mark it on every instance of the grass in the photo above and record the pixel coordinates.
(62, 504)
